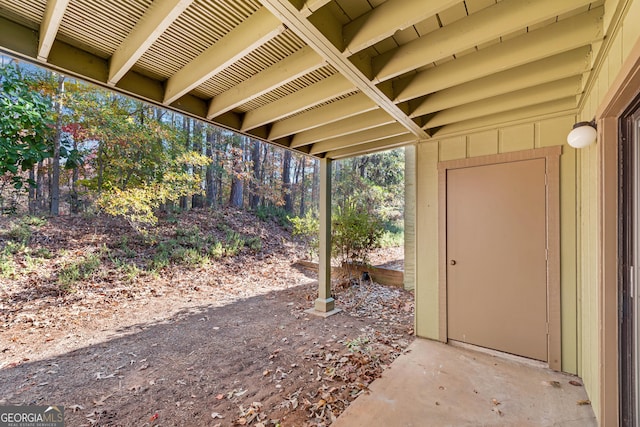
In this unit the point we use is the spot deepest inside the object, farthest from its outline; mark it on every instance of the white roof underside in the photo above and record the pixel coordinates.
(331, 78)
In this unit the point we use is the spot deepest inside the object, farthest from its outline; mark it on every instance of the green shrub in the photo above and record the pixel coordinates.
(7, 265)
(254, 243)
(308, 228)
(216, 250)
(189, 256)
(124, 246)
(34, 221)
(354, 234)
(234, 243)
(78, 270)
(190, 237)
(20, 233)
(272, 213)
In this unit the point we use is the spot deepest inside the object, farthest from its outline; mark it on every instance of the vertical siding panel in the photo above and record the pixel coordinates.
(615, 58)
(517, 138)
(483, 144)
(427, 234)
(631, 29)
(409, 217)
(453, 148)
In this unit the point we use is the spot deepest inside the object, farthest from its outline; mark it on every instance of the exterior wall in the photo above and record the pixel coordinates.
(410, 217)
(585, 294)
(543, 133)
(623, 32)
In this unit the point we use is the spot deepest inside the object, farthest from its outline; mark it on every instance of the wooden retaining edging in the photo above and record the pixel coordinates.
(384, 276)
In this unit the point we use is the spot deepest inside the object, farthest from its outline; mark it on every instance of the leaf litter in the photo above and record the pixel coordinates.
(228, 340)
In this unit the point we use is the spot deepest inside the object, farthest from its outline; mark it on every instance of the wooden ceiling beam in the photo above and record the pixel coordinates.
(388, 18)
(290, 68)
(483, 26)
(155, 21)
(372, 147)
(253, 32)
(329, 113)
(369, 135)
(307, 31)
(535, 112)
(315, 94)
(563, 36)
(364, 121)
(547, 70)
(49, 26)
(522, 98)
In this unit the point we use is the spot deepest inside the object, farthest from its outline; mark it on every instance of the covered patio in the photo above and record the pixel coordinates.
(463, 85)
(440, 385)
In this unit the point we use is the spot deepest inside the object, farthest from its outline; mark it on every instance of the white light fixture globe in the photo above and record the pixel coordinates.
(582, 135)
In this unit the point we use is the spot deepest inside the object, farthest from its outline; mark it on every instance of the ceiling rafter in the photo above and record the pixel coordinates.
(318, 93)
(556, 38)
(326, 114)
(483, 26)
(493, 121)
(369, 135)
(297, 22)
(290, 68)
(387, 18)
(518, 99)
(311, 6)
(158, 17)
(364, 121)
(49, 26)
(372, 147)
(543, 71)
(253, 32)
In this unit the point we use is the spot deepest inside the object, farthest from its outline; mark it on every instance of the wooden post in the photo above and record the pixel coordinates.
(410, 217)
(324, 304)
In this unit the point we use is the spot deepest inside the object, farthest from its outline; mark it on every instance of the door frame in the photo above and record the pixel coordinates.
(552, 170)
(621, 93)
(628, 263)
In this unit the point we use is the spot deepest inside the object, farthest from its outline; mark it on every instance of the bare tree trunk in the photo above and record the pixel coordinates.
(315, 182)
(237, 183)
(286, 181)
(40, 187)
(197, 200)
(303, 188)
(55, 168)
(210, 181)
(32, 190)
(255, 158)
(186, 125)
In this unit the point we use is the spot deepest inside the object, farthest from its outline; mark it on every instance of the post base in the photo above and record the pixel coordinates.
(324, 314)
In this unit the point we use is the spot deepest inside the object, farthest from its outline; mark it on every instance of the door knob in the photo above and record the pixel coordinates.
(453, 262)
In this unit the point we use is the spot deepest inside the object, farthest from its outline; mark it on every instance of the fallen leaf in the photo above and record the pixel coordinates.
(497, 411)
(154, 417)
(495, 402)
(554, 384)
(220, 397)
(101, 401)
(575, 383)
(75, 408)
(216, 415)
(583, 402)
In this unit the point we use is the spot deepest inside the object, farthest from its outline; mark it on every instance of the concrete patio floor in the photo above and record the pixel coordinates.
(435, 384)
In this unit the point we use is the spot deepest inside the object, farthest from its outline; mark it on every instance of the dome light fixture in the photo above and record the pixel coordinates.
(583, 134)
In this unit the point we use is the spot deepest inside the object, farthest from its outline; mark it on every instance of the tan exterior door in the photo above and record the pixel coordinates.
(496, 257)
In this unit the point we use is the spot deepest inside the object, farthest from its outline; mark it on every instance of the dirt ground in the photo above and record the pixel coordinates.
(219, 344)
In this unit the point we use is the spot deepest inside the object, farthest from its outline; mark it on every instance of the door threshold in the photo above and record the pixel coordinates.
(500, 354)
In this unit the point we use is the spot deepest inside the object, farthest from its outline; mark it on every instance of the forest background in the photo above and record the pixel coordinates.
(68, 147)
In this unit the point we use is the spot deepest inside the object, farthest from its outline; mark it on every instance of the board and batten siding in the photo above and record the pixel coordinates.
(623, 33)
(538, 134)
